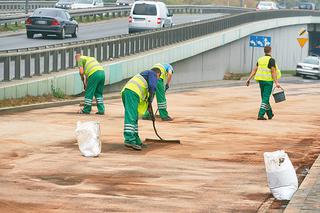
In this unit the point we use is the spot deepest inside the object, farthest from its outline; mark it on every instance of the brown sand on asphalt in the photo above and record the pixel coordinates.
(218, 167)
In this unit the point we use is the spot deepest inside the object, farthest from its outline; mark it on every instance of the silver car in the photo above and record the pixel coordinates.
(124, 2)
(309, 67)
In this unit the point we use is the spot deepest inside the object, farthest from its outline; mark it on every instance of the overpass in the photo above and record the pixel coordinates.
(200, 51)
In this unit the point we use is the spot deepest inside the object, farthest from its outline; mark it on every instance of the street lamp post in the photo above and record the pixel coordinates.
(241, 3)
(27, 6)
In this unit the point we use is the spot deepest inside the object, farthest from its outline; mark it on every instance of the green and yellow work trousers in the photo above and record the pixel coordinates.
(266, 90)
(95, 86)
(161, 101)
(130, 102)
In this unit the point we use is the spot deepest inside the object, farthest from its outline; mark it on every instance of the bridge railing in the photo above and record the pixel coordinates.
(20, 5)
(38, 61)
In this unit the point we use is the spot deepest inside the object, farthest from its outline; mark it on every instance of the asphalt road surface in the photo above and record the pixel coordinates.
(218, 167)
(91, 31)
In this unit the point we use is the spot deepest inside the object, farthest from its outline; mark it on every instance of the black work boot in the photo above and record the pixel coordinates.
(136, 147)
(270, 117)
(99, 113)
(143, 145)
(261, 118)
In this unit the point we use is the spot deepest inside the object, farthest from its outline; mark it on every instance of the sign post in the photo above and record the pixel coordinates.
(302, 42)
(27, 6)
(258, 41)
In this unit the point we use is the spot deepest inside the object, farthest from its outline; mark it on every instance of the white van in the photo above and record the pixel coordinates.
(83, 4)
(147, 15)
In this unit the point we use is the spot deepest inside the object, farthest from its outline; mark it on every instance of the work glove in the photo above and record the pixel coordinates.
(167, 87)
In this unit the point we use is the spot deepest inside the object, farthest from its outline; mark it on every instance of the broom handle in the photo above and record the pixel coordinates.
(154, 124)
(155, 130)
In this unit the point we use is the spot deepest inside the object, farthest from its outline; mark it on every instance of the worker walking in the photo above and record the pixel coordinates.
(93, 78)
(137, 96)
(162, 86)
(265, 72)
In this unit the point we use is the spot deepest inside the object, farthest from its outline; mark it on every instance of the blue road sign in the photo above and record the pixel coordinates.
(259, 41)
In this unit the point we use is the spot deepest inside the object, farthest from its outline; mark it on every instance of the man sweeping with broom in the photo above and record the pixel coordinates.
(137, 96)
(162, 87)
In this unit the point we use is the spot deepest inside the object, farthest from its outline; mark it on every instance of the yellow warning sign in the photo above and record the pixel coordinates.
(302, 41)
(302, 31)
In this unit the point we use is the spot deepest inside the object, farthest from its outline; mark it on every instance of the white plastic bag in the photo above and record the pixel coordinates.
(282, 178)
(88, 137)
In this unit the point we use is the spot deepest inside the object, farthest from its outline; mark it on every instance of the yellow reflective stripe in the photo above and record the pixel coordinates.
(88, 64)
(141, 84)
(91, 66)
(145, 84)
(91, 70)
(264, 69)
(262, 74)
(142, 92)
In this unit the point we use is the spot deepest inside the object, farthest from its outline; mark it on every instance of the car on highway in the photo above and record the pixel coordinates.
(125, 2)
(79, 4)
(310, 66)
(65, 4)
(147, 15)
(51, 21)
(306, 6)
(267, 5)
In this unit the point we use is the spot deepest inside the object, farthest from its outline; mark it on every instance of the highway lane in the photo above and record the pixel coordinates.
(91, 31)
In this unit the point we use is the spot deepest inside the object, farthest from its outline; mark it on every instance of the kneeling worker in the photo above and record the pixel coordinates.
(93, 77)
(162, 86)
(137, 96)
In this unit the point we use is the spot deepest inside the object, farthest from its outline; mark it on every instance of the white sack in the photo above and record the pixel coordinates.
(88, 137)
(282, 178)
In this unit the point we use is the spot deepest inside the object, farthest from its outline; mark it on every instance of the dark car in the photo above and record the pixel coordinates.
(307, 6)
(51, 21)
(65, 4)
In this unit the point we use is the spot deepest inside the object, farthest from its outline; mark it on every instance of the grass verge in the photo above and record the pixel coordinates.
(12, 27)
(56, 95)
(30, 100)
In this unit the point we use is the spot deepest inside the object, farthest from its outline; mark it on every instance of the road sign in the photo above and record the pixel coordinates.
(302, 31)
(302, 41)
(259, 41)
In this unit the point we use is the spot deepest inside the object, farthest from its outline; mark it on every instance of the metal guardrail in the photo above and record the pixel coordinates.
(15, 5)
(61, 57)
(20, 5)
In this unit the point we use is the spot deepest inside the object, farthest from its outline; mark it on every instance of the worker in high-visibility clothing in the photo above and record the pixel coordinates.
(93, 78)
(137, 96)
(265, 72)
(162, 86)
